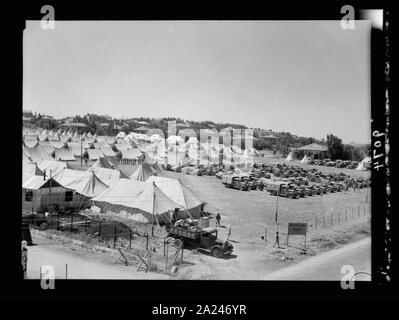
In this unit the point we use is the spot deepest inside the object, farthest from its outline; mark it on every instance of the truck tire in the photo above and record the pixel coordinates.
(217, 252)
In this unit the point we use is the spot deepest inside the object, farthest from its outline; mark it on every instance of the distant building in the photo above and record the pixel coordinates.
(269, 138)
(315, 150)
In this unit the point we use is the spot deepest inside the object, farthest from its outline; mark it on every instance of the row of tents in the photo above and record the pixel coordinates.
(144, 196)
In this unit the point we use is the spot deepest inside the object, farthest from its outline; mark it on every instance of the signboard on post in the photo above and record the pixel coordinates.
(297, 229)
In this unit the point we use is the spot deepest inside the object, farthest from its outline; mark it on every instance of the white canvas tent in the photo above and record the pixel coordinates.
(145, 171)
(31, 168)
(83, 182)
(180, 194)
(305, 159)
(364, 164)
(137, 200)
(53, 166)
(108, 176)
(289, 157)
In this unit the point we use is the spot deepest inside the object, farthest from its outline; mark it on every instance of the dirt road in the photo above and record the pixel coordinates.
(327, 266)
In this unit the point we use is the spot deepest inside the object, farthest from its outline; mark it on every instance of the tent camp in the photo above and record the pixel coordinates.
(364, 164)
(305, 159)
(94, 154)
(31, 168)
(107, 151)
(65, 138)
(30, 143)
(289, 157)
(38, 194)
(58, 144)
(108, 176)
(136, 200)
(85, 183)
(38, 154)
(180, 194)
(78, 152)
(54, 137)
(131, 154)
(104, 162)
(146, 170)
(51, 165)
(122, 146)
(64, 155)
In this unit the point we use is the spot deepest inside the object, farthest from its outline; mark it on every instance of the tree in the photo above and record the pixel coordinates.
(335, 147)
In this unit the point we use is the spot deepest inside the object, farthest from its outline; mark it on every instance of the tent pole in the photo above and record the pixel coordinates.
(153, 212)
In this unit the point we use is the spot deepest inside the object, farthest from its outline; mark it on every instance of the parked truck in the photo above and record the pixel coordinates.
(205, 239)
(235, 181)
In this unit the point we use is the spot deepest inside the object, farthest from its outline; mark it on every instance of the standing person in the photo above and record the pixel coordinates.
(277, 241)
(218, 218)
(228, 231)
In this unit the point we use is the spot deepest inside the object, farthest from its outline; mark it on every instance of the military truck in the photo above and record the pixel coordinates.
(205, 239)
(283, 190)
(235, 181)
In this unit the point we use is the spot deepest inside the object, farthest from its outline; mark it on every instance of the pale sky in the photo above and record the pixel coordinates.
(309, 78)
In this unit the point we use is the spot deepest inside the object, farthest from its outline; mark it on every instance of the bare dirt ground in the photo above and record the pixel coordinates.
(334, 220)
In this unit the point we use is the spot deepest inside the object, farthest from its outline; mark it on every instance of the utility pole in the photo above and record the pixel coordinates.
(276, 219)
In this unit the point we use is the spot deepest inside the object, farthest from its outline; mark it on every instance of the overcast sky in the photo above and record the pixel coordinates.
(308, 78)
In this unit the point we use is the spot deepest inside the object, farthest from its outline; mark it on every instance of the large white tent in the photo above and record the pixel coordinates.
(108, 176)
(137, 200)
(83, 182)
(52, 166)
(179, 193)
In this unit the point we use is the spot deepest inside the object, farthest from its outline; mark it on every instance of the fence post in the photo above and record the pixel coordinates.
(71, 221)
(352, 213)
(166, 258)
(324, 220)
(358, 211)
(130, 238)
(182, 249)
(85, 225)
(99, 231)
(58, 221)
(339, 215)
(331, 219)
(146, 246)
(115, 236)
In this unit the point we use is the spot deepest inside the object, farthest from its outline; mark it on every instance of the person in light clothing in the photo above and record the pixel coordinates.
(228, 231)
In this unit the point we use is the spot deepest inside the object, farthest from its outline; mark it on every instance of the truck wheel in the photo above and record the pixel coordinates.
(216, 252)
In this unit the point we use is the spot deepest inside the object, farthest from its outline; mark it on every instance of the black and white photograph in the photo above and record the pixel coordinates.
(198, 149)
